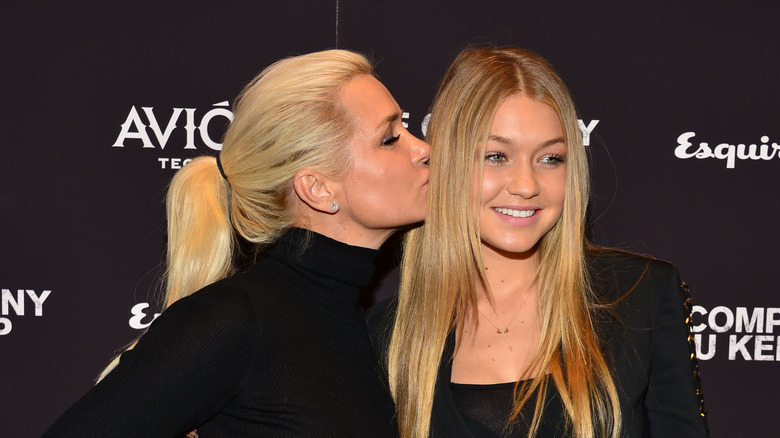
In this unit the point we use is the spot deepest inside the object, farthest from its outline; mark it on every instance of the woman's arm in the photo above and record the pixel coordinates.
(188, 365)
(674, 404)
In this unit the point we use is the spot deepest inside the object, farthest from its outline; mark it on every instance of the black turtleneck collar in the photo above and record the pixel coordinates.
(332, 272)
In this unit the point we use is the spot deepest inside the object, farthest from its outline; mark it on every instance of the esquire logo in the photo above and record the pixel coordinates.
(16, 303)
(139, 318)
(144, 129)
(743, 333)
(724, 151)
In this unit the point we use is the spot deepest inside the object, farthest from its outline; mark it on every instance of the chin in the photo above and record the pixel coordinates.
(513, 249)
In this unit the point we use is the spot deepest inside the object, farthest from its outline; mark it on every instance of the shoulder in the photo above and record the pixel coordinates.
(219, 313)
(608, 262)
(243, 294)
(226, 297)
(634, 280)
(622, 270)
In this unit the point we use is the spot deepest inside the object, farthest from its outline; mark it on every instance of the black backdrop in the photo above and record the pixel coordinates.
(81, 197)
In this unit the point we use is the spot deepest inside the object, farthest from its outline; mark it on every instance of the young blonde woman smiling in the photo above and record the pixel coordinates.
(508, 323)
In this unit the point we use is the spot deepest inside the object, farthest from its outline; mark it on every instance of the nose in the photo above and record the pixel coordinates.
(523, 182)
(420, 151)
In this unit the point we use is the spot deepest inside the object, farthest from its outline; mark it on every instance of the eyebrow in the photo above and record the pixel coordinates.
(506, 141)
(389, 119)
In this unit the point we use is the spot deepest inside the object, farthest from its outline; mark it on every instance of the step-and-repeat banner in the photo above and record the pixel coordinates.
(104, 101)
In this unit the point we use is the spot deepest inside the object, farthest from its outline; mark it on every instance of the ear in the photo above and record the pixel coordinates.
(315, 189)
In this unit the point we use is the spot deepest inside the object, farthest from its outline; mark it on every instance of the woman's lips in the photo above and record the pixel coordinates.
(516, 212)
(521, 216)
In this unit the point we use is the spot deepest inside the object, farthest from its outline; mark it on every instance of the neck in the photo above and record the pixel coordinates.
(508, 275)
(345, 234)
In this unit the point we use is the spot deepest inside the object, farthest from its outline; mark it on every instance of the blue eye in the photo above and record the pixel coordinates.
(389, 141)
(495, 157)
(553, 160)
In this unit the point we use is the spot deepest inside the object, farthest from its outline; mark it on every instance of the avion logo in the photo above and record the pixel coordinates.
(153, 130)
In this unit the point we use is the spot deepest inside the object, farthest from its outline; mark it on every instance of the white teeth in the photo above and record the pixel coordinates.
(515, 213)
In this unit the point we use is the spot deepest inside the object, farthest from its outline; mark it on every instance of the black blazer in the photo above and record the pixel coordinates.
(645, 335)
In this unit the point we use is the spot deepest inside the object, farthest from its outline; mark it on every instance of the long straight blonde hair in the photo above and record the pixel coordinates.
(288, 118)
(442, 260)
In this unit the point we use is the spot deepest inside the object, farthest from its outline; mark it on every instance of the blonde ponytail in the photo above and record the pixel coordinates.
(200, 237)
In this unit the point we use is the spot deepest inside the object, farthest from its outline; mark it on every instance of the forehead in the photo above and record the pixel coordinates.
(368, 101)
(521, 115)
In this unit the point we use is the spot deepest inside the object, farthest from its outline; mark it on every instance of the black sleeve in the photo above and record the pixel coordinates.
(673, 404)
(189, 364)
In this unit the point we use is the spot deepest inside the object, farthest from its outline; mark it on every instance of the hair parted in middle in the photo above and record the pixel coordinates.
(442, 260)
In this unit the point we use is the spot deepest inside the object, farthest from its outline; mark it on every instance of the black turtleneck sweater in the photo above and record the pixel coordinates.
(278, 350)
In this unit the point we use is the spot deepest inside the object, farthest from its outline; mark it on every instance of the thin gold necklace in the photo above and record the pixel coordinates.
(506, 328)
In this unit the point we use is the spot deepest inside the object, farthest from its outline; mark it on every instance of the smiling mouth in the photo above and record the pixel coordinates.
(515, 213)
